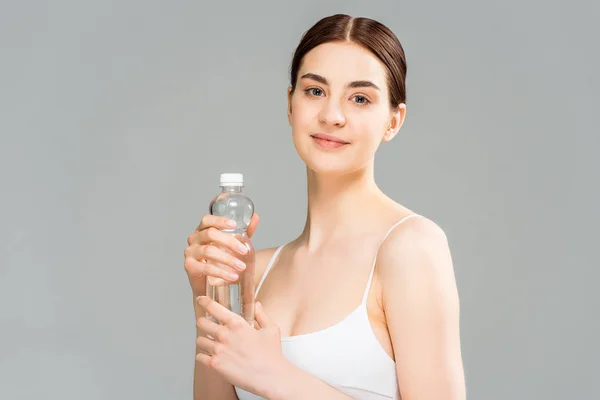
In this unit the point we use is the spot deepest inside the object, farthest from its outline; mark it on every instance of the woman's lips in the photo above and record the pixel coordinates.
(328, 141)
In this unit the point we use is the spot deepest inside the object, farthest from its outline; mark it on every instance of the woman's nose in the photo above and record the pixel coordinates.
(332, 113)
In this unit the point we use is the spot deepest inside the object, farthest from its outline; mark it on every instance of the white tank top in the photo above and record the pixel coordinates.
(346, 355)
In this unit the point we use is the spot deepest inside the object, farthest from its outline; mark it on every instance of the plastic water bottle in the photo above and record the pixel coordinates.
(232, 203)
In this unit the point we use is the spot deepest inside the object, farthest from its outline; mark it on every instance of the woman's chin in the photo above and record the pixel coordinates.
(324, 163)
(329, 167)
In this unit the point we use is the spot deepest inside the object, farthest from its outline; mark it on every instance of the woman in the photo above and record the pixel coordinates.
(363, 304)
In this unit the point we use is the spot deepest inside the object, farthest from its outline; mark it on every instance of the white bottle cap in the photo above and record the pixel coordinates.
(230, 179)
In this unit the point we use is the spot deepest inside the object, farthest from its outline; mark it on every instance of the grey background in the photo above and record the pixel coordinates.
(116, 118)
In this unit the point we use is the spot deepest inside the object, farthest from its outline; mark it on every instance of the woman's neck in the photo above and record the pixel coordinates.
(338, 206)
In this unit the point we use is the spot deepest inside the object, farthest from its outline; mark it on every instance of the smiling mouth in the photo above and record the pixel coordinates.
(328, 144)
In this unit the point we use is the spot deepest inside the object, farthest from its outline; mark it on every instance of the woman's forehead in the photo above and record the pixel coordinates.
(342, 62)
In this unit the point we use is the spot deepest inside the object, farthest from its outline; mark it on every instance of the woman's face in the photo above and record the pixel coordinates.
(341, 93)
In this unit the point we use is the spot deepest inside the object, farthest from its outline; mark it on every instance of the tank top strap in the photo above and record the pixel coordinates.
(269, 265)
(366, 294)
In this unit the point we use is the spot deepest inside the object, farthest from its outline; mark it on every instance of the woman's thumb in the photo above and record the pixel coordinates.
(261, 317)
(252, 225)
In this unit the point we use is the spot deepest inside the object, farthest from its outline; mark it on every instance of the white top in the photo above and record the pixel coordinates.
(346, 355)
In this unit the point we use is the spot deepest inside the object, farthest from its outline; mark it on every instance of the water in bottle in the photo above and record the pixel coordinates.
(234, 204)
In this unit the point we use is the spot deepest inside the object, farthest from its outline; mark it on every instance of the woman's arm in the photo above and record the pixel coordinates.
(296, 384)
(421, 305)
(252, 358)
(209, 384)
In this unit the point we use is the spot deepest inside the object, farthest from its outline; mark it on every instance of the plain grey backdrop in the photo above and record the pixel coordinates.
(117, 117)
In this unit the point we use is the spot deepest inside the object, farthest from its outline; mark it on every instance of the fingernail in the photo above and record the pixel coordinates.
(240, 264)
(232, 276)
(243, 248)
(231, 223)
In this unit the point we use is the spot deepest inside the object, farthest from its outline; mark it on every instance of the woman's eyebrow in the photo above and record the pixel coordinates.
(354, 84)
(359, 84)
(315, 77)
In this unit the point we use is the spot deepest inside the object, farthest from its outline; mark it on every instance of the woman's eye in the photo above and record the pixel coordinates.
(361, 100)
(315, 92)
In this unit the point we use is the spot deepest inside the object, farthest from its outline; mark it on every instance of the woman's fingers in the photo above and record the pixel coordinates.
(205, 345)
(210, 328)
(262, 318)
(215, 236)
(212, 254)
(195, 267)
(220, 313)
(215, 255)
(209, 220)
(222, 239)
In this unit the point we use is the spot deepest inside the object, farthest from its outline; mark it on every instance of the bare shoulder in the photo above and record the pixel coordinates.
(415, 260)
(418, 241)
(262, 258)
(421, 305)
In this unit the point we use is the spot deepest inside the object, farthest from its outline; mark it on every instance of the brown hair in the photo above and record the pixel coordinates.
(366, 32)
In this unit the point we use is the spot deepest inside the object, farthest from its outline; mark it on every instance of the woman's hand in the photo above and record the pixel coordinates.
(212, 253)
(248, 358)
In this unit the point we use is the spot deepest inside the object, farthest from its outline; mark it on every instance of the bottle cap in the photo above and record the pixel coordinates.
(230, 179)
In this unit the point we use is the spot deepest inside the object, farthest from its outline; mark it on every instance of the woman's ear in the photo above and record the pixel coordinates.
(396, 121)
(289, 102)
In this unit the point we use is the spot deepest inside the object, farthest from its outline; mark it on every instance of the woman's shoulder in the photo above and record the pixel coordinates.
(407, 224)
(415, 242)
(409, 228)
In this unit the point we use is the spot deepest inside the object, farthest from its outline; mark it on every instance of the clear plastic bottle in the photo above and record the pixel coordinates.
(234, 204)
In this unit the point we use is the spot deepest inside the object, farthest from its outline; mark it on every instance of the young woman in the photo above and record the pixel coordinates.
(363, 303)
